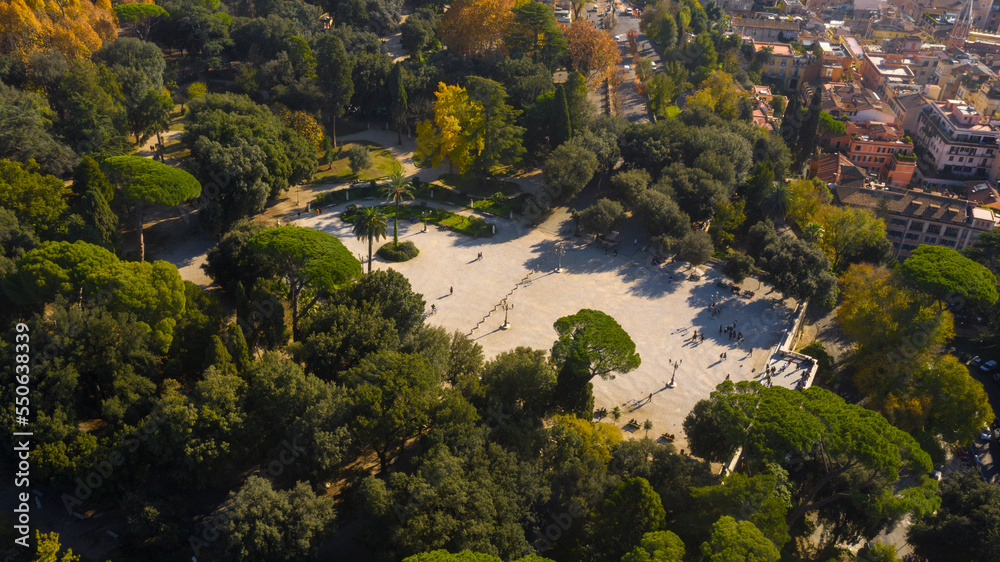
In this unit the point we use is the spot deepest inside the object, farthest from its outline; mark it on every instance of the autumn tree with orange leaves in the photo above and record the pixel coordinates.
(592, 52)
(476, 27)
(75, 28)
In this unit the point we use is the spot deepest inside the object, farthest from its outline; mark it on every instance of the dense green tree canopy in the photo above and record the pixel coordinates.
(737, 541)
(853, 456)
(268, 524)
(235, 121)
(26, 131)
(657, 546)
(661, 215)
(146, 182)
(950, 276)
(966, 525)
(602, 217)
(305, 258)
(986, 250)
(567, 170)
(475, 499)
(631, 511)
(599, 339)
(153, 291)
(394, 397)
(139, 17)
(37, 200)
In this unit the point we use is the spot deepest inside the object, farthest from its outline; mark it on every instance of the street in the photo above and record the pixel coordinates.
(632, 103)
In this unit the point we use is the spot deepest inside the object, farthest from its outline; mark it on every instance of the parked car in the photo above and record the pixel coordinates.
(976, 361)
(984, 433)
(988, 366)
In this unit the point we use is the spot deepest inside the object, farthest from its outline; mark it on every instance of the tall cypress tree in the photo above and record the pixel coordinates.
(807, 134)
(791, 123)
(87, 176)
(562, 130)
(97, 213)
(333, 74)
(397, 95)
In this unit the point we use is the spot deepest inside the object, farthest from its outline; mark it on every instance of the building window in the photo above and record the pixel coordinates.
(949, 243)
(898, 222)
(950, 231)
(930, 239)
(912, 236)
(934, 229)
(908, 247)
(917, 226)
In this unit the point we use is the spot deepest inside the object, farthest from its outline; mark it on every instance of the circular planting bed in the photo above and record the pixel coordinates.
(404, 251)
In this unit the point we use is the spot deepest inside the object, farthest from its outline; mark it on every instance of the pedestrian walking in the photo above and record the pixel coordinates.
(720, 328)
(727, 376)
(703, 336)
(451, 291)
(650, 397)
(616, 252)
(751, 352)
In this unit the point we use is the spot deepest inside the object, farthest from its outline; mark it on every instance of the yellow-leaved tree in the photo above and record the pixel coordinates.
(304, 124)
(447, 136)
(592, 52)
(75, 28)
(476, 27)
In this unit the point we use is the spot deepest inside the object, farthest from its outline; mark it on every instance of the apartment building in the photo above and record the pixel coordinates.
(774, 30)
(916, 218)
(878, 70)
(736, 6)
(855, 102)
(788, 67)
(906, 103)
(881, 149)
(955, 142)
(985, 99)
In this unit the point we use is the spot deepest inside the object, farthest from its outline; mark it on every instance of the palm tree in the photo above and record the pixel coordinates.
(396, 190)
(777, 201)
(370, 223)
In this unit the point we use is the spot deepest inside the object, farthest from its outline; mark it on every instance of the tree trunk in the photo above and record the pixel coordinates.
(370, 239)
(395, 227)
(138, 229)
(383, 460)
(399, 131)
(333, 130)
(294, 297)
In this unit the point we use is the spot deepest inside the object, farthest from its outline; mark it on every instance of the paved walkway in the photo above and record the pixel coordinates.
(659, 313)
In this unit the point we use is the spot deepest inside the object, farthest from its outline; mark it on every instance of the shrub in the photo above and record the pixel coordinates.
(738, 266)
(359, 158)
(404, 251)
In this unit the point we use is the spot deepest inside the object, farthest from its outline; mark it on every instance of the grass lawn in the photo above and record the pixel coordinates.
(340, 168)
(472, 186)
